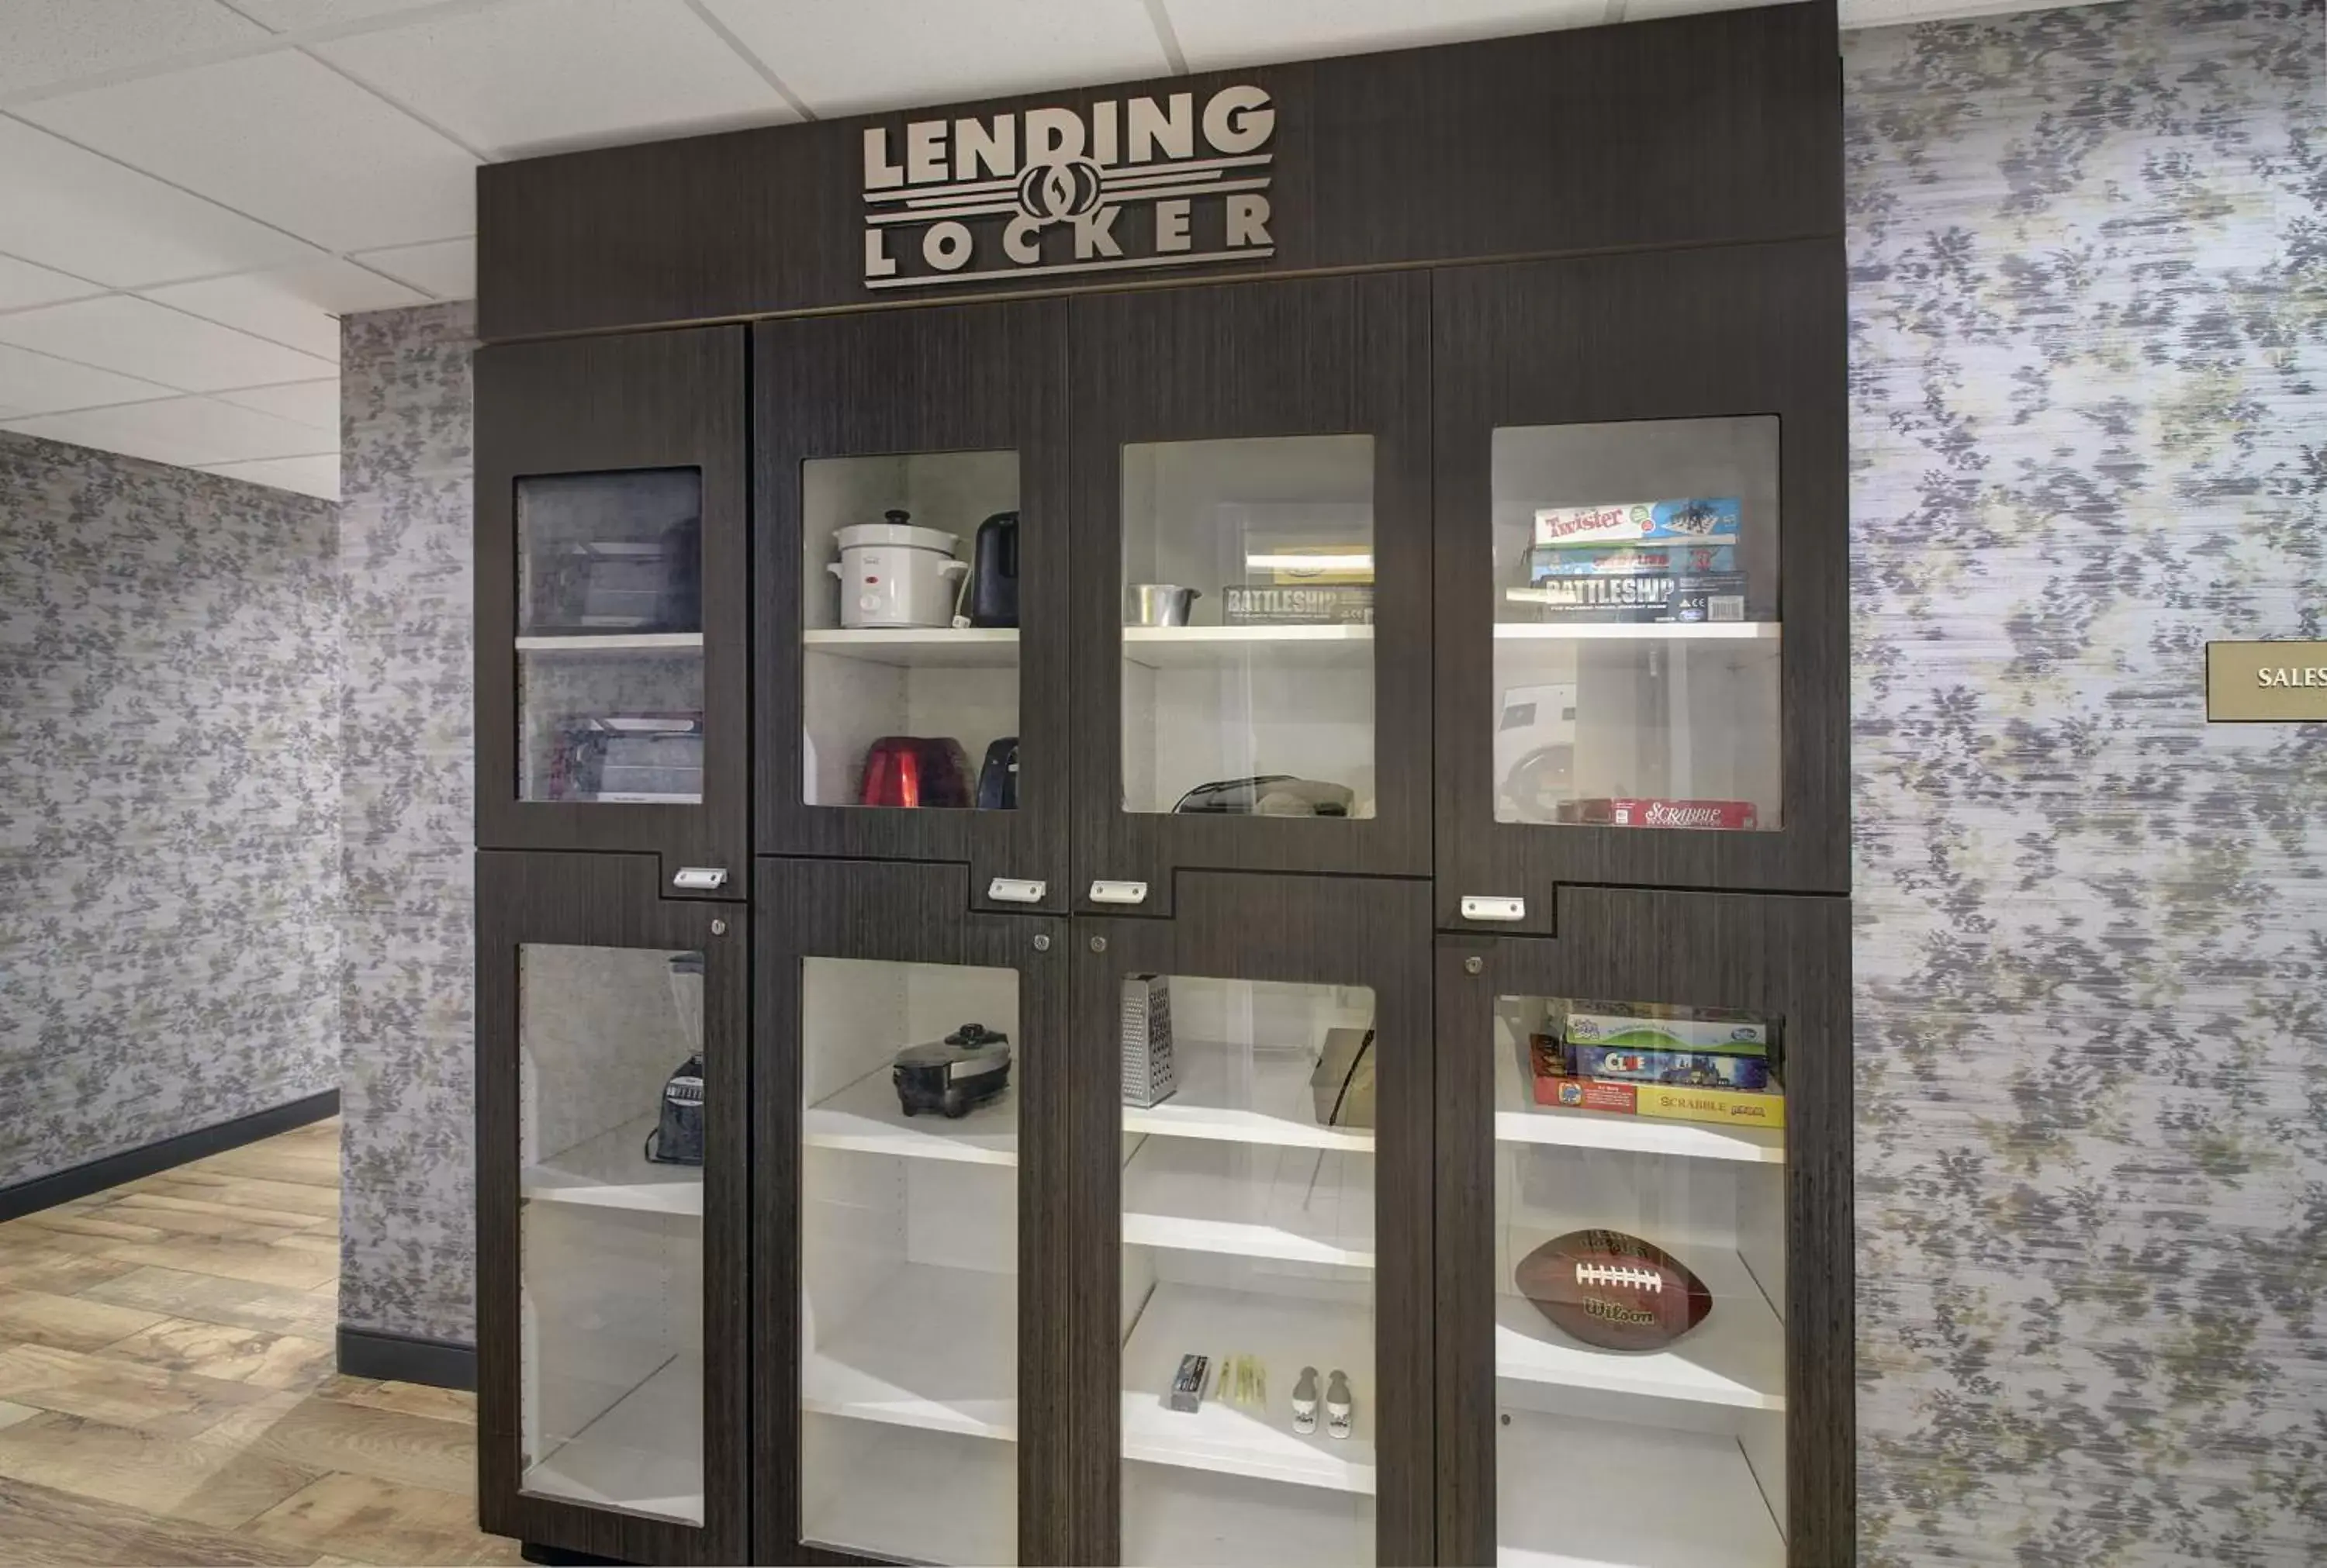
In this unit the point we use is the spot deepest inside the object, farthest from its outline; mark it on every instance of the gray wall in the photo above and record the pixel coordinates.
(169, 803)
(2092, 1071)
(2090, 344)
(408, 1248)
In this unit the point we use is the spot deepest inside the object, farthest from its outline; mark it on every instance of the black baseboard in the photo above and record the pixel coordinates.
(408, 1359)
(81, 1181)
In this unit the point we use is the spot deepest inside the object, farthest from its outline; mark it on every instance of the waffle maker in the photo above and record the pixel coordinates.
(966, 1068)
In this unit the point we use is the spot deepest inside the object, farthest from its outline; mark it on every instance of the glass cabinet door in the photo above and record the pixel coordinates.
(1252, 584)
(1642, 581)
(909, 1260)
(1644, 1296)
(610, 637)
(1636, 631)
(611, 502)
(1256, 1120)
(1250, 1404)
(1640, 1269)
(912, 666)
(611, 1222)
(1249, 627)
(908, 1071)
(611, 1088)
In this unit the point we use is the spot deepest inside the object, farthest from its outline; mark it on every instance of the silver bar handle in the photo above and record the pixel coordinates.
(1475, 908)
(700, 878)
(1118, 892)
(1016, 890)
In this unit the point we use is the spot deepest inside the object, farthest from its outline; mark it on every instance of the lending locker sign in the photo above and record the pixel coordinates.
(1134, 182)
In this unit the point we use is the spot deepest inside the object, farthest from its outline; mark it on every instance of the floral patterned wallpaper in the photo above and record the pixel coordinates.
(2090, 406)
(169, 803)
(408, 1248)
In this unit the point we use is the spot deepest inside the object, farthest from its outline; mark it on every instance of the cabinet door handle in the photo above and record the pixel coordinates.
(700, 878)
(1475, 908)
(1118, 892)
(1016, 890)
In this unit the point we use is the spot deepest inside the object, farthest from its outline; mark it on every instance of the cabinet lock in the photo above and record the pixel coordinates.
(1475, 908)
(1016, 890)
(1118, 892)
(700, 878)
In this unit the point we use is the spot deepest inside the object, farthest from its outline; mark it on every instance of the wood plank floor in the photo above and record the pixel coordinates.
(167, 1394)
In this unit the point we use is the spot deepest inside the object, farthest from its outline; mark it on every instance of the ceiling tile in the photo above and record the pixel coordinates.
(294, 15)
(313, 404)
(22, 283)
(187, 431)
(285, 139)
(55, 40)
(295, 305)
(547, 75)
(34, 383)
(64, 208)
(447, 269)
(881, 54)
(138, 338)
(1216, 34)
(311, 476)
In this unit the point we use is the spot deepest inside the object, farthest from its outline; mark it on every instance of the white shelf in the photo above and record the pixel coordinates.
(1287, 1332)
(1250, 1201)
(951, 647)
(1737, 1358)
(1519, 1120)
(1243, 1095)
(1596, 1494)
(644, 1455)
(865, 1117)
(1638, 630)
(921, 1498)
(932, 1348)
(1219, 647)
(1171, 1515)
(612, 1170)
(612, 642)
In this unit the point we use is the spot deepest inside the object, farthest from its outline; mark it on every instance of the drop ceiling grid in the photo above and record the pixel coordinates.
(252, 169)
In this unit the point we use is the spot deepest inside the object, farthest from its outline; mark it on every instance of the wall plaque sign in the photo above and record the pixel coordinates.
(2266, 682)
(1130, 184)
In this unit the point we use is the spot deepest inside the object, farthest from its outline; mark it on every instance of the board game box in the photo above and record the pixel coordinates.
(1712, 519)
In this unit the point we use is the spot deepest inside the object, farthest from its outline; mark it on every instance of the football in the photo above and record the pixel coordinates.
(1613, 1290)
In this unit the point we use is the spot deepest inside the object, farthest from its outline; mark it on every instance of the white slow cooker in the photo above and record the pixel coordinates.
(892, 573)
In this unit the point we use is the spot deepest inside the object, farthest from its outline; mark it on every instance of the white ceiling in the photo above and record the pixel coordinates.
(193, 191)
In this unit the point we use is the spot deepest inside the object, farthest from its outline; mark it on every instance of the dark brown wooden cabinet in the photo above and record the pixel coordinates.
(953, 420)
(610, 541)
(1739, 1446)
(1580, 399)
(1219, 813)
(613, 1245)
(1268, 446)
(920, 1260)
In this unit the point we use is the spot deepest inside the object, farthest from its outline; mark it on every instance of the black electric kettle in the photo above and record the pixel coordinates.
(994, 572)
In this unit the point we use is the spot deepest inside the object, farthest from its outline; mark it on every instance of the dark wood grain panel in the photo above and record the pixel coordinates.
(905, 912)
(1689, 131)
(611, 900)
(965, 378)
(1783, 956)
(1319, 357)
(1318, 930)
(651, 401)
(1680, 335)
